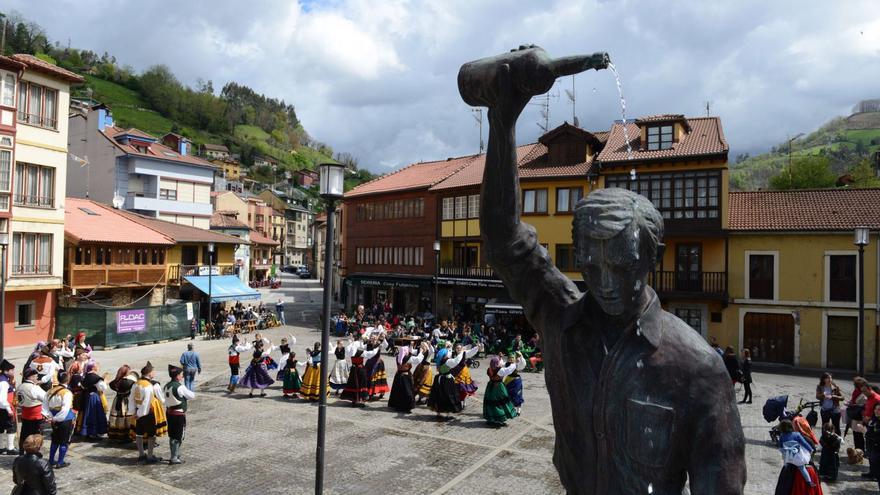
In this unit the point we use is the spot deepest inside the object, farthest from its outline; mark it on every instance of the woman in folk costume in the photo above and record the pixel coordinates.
(339, 375)
(121, 419)
(497, 408)
(513, 382)
(467, 387)
(256, 376)
(444, 396)
(423, 377)
(284, 348)
(357, 389)
(267, 359)
(147, 403)
(92, 421)
(290, 380)
(376, 368)
(403, 396)
(311, 382)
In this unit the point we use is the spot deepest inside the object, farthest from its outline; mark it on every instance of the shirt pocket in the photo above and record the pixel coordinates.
(649, 429)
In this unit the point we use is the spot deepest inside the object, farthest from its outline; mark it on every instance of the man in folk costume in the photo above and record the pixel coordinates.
(7, 406)
(235, 362)
(46, 366)
(30, 397)
(176, 396)
(58, 407)
(148, 404)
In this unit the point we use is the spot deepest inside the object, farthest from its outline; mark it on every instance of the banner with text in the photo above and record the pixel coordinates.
(131, 321)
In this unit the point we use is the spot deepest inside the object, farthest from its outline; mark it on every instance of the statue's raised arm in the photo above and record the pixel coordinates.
(505, 84)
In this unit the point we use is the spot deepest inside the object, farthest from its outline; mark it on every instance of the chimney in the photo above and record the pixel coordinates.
(182, 146)
(102, 116)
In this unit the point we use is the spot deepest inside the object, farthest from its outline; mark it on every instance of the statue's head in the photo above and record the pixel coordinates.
(617, 239)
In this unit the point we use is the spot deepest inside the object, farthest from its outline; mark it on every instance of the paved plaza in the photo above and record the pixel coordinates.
(236, 444)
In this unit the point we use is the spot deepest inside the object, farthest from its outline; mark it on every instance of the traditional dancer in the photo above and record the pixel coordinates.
(403, 396)
(30, 398)
(357, 388)
(423, 377)
(311, 381)
(290, 380)
(121, 428)
(148, 404)
(376, 367)
(467, 387)
(444, 396)
(339, 376)
(286, 342)
(497, 408)
(92, 422)
(58, 406)
(256, 376)
(234, 359)
(513, 382)
(46, 366)
(8, 423)
(176, 397)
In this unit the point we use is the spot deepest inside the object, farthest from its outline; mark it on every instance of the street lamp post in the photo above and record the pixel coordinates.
(861, 240)
(4, 241)
(210, 277)
(436, 310)
(332, 177)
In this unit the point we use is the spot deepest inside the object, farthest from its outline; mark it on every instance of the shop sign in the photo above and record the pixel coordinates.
(472, 282)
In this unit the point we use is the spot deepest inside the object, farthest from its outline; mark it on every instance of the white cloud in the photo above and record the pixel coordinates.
(378, 79)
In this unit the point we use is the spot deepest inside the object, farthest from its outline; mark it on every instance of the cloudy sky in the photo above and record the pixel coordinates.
(378, 78)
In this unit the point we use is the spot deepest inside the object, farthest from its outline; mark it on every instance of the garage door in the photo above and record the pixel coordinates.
(770, 337)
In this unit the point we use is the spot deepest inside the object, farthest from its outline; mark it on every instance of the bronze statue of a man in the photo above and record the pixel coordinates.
(641, 403)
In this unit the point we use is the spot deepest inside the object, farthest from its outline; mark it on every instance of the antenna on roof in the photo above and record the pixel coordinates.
(543, 101)
(478, 116)
(572, 97)
(707, 108)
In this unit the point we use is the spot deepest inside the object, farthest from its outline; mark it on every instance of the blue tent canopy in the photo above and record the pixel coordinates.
(223, 287)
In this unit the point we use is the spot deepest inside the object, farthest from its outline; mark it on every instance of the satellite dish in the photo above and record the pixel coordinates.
(118, 201)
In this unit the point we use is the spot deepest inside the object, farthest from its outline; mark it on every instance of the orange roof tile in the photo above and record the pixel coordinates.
(807, 210)
(38, 65)
(155, 150)
(90, 221)
(705, 138)
(227, 220)
(416, 176)
(258, 238)
(179, 232)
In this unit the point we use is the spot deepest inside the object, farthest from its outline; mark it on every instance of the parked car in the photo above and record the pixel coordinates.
(290, 269)
(304, 273)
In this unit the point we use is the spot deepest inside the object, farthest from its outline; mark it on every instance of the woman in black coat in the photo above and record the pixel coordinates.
(746, 369)
(732, 365)
(31, 473)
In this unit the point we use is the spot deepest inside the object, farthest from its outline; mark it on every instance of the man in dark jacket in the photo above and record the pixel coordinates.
(640, 401)
(31, 471)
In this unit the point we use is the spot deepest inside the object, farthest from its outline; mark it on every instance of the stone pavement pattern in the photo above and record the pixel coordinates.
(235, 444)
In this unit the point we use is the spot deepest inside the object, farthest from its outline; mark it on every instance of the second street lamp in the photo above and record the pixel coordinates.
(861, 239)
(210, 276)
(332, 180)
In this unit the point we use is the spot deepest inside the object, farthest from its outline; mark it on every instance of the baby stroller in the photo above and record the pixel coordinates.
(775, 410)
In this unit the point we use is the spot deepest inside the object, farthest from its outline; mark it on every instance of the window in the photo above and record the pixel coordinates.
(535, 201)
(692, 316)
(842, 277)
(660, 137)
(37, 105)
(761, 276)
(677, 195)
(24, 314)
(31, 254)
(34, 185)
(461, 204)
(565, 260)
(5, 169)
(168, 194)
(8, 90)
(474, 206)
(567, 198)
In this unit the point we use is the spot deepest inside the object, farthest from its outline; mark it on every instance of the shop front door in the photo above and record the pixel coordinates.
(770, 337)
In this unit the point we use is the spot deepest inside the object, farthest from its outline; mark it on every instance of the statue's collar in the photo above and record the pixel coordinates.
(649, 323)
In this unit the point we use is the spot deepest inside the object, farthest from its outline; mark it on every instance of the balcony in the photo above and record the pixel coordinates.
(38, 121)
(703, 285)
(467, 272)
(469, 276)
(89, 276)
(30, 270)
(33, 201)
(149, 202)
(177, 272)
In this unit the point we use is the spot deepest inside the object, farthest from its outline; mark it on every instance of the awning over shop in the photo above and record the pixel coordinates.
(224, 288)
(503, 308)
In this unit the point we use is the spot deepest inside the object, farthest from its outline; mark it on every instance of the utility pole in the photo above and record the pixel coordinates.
(572, 97)
(707, 108)
(3, 35)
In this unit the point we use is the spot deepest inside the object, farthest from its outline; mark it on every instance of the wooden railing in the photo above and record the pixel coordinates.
(177, 272)
(90, 276)
(705, 283)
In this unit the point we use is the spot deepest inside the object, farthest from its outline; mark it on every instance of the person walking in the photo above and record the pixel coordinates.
(191, 365)
(830, 396)
(746, 369)
(30, 472)
(279, 310)
(732, 365)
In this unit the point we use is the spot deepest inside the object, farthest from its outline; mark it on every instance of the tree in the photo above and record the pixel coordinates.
(864, 175)
(809, 172)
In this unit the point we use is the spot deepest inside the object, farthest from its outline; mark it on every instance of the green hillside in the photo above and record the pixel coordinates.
(844, 141)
